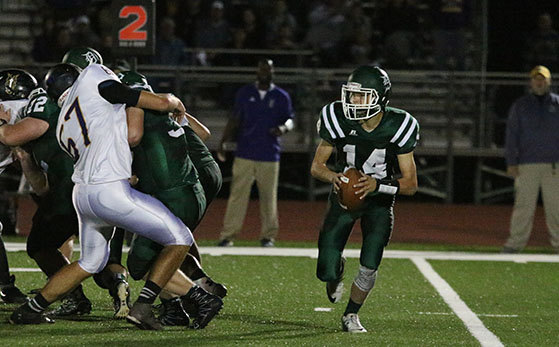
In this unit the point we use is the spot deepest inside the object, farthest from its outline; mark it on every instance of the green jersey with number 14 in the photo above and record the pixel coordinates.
(375, 152)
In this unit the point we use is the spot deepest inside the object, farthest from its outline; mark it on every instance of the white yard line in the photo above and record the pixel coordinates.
(354, 253)
(469, 318)
(479, 314)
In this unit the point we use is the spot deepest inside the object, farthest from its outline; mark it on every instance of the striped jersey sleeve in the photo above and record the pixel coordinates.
(328, 126)
(407, 135)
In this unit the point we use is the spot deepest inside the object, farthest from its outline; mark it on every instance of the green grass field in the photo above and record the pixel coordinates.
(272, 301)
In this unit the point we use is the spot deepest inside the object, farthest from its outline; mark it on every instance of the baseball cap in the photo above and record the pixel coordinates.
(540, 70)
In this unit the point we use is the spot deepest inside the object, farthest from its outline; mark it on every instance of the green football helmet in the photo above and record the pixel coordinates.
(135, 80)
(82, 57)
(366, 93)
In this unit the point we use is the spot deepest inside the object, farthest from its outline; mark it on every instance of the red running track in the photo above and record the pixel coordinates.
(433, 223)
(482, 225)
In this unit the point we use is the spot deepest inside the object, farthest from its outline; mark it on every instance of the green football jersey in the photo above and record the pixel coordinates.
(374, 153)
(161, 159)
(197, 149)
(48, 154)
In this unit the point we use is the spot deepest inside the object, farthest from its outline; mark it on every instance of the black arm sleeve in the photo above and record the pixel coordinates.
(117, 93)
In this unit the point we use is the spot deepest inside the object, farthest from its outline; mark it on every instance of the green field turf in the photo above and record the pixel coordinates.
(272, 302)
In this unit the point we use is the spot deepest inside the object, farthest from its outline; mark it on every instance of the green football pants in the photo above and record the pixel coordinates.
(188, 203)
(377, 220)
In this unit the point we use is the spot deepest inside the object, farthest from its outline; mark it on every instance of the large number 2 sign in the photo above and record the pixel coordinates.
(131, 32)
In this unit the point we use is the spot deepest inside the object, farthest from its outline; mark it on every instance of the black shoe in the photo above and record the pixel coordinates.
(142, 316)
(208, 306)
(225, 243)
(121, 299)
(25, 315)
(509, 250)
(172, 313)
(10, 294)
(212, 287)
(334, 289)
(72, 305)
(267, 243)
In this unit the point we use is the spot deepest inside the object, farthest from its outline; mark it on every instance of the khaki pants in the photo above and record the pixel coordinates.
(266, 175)
(531, 178)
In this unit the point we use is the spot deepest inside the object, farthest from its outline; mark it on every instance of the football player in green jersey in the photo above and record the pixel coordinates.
(377, 140)
(166, 158)
(48, 170)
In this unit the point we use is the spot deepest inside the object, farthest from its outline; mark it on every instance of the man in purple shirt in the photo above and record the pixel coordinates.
(532, 155)
(262, 113)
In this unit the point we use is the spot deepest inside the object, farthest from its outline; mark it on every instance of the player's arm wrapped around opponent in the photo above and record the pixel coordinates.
(116, 92)
(36, 177)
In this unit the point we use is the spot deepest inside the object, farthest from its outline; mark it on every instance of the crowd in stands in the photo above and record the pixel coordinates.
(343, 33)
(398, 34)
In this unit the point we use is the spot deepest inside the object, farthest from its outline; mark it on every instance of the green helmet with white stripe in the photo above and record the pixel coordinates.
(134, 80)
(82, 57)
(366, 93)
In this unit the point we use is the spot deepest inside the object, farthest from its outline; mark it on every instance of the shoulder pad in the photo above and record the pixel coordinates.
(35, 92)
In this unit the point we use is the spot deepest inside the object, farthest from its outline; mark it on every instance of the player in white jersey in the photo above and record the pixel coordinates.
(92, 130)
(15, 86)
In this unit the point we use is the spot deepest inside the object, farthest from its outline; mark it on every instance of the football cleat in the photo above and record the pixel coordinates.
(121, 300)
(208, 306)
(25, 315)
(172, 313)
(10, 294)
(212, 287)
(72, 305)
(335, 289)
(267, 243)
(351, 324)
(142, 316)
(225, 243)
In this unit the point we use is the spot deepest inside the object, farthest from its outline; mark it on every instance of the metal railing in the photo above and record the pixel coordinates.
(460, 113)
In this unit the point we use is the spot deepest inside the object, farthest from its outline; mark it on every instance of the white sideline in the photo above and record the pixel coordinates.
(472, 322)
(354, 253)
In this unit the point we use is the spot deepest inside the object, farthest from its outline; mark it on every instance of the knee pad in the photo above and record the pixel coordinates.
(365, 279)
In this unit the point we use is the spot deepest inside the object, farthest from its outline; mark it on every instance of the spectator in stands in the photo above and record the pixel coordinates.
(532, 156)
(280, 20)
(358, 48)
(325, 34)
(263, 112)
(453, 19)
(82, 33)
(42, 44)
(213, 33)
(169, 49)
(239, 41)
(283, 38)
(255, 32)
(398, 26)
(542, 46)
(63, 43)
(106, 46)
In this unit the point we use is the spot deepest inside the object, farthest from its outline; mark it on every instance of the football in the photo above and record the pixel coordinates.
(346, 195)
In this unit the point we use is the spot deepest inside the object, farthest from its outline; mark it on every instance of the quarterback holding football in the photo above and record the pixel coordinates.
(375, 139)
